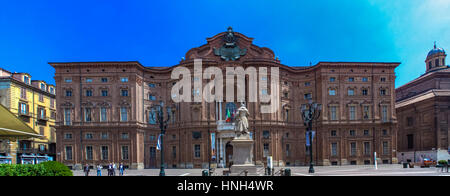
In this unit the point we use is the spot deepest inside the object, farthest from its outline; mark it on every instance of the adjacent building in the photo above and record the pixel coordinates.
(33, 101)
(105, 111)
(423, 110)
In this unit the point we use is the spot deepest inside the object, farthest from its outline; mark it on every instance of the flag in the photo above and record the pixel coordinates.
(228, 116)
(158, 144)
(213, 146)
(308, 143)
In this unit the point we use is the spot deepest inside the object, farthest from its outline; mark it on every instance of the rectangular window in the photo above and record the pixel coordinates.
(68, 152)
(353, 149)
(105, 153)
(266, 134)
(88, 80)
(333, 133)
(68, 136)
(266, 150)
(89, 154)
(352, 133)
(124, 152)
(366, 112)
(384, 113)
(124, 79)
(332, 79)
(366, 132)
(68, 93)
(264, 91)
(365, 79)
(23, 93)
(151, 97)
(351, 92)
(124, 93)
(308, 96)
(383, 79)
(26, 79)
(123, 114)
(410, 138)
(352, 112)
(103, 114)
(42, 86)
(152, 85)
(152, 116)
(383, 92)
(351, 79)
(52, 103)
(87, 115)
(332, 92)
(288, 150)
(89, 136)
(67, 120)
(68, 80)
(104, 79)
(364, 92)
(333, 149)
(197, 151)
(88, 93)
(23, 108)
(385, 148)
(307, 83)
(124, 136)
(333, 110)
(174, 152)
(366, 148)
(41, 97)
(104, 93)
(105, 135)
(410, 121)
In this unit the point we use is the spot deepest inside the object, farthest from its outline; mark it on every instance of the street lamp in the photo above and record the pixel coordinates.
(163, 126)
(310, 113)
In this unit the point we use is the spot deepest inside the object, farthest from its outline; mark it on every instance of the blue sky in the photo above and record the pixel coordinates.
(159, 33)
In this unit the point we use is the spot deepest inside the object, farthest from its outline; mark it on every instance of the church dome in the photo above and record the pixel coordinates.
(436, 51)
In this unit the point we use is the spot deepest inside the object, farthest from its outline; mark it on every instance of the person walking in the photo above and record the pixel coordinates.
(86, 170)
(110, 169)
(114, 169)
(121, 168)
(99, 170)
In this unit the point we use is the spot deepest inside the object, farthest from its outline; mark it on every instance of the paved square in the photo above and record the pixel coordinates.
(348, 170)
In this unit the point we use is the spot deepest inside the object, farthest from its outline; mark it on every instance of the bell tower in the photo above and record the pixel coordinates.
(435, 58)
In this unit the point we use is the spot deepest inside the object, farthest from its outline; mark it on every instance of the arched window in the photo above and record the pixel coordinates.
(437, 62)
(429, 65)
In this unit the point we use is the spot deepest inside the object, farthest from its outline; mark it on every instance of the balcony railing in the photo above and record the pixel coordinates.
(225, 126)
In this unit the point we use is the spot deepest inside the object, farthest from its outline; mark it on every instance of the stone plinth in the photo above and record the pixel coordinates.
(243, 157)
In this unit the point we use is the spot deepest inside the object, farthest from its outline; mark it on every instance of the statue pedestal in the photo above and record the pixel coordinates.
(242, 157)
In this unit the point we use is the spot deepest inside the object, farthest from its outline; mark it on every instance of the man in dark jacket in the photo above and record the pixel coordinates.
(86, 170)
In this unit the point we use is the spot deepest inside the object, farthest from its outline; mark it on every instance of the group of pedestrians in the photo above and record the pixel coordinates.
(111, 169)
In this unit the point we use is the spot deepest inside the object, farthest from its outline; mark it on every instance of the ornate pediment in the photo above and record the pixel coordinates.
(67, 105)
(230, 46)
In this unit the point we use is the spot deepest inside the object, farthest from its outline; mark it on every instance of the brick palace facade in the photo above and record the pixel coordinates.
(104, 112)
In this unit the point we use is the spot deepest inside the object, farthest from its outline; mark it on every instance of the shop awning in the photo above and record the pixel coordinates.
(12, 126)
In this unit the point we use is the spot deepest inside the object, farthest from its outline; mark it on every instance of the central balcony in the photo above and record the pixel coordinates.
(222, 125)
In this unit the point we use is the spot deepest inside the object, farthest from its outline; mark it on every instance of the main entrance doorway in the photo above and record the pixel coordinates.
(229, 154)
(152, 157)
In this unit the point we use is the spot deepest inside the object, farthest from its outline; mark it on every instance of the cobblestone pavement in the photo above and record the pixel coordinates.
(353, 170)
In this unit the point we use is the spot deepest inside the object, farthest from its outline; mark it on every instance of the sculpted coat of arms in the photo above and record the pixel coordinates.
(230, 50)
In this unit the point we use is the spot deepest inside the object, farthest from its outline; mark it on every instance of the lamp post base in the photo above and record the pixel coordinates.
(162, 172)
(311, 169)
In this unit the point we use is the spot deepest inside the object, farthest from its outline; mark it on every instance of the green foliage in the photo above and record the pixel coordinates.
(54, 168)
(51, 168)
(442, 162)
